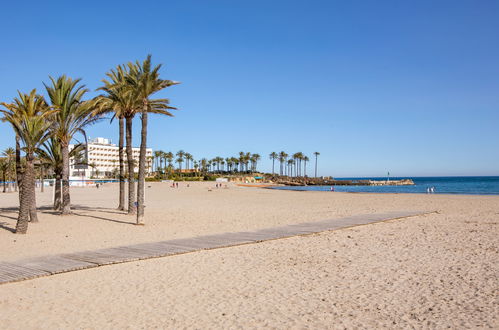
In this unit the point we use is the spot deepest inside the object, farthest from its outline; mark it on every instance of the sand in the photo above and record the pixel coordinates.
(434, 271)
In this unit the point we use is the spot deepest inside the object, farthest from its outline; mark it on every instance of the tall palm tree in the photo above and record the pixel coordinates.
(254, 159)
(144, 80)
(305, 160)
(157, 157)
(290, 163)
(282, 158)
(29, 116)
(273, 156)
(120, 100)
(66, 95)
(316, 154)
(169, 157)
(180, 154)
(204, 164)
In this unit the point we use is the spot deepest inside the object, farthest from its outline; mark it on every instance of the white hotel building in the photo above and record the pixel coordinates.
(103, 160)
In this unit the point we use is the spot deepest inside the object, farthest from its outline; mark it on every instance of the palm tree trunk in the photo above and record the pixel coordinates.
(121, 206)
(57, 192)
(33, 217)
(131, 174)
(315, 165)
(142, 168)
(66, 199)
(4, 178)
(19, 170)
(28, 184)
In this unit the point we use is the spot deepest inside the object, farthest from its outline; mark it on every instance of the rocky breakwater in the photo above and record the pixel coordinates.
(403, 182)
(328, 181)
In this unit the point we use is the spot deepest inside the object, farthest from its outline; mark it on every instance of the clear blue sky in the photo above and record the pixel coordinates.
(410, 87)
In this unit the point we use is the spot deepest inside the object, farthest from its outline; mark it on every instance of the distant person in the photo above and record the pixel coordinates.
(332, 188)
(428, 190)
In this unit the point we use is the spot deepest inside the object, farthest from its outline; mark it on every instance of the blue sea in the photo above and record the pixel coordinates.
(469, 185)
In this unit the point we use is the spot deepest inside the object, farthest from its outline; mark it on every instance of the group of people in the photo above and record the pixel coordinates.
(430, 190)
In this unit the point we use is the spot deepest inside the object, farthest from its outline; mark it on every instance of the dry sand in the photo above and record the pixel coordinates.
(434, 271)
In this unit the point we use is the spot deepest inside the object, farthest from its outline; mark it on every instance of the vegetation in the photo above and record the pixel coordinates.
(46, 129)
(73, 114)
(30, 117)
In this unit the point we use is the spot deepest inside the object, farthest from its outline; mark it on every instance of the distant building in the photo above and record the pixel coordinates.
(103, 160)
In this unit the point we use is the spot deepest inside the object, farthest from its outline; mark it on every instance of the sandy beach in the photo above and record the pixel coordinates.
(433, 271)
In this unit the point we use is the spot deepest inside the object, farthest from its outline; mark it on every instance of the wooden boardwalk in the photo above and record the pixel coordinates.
(55, 264)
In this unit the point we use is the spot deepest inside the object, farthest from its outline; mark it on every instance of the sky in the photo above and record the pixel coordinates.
(409, 87)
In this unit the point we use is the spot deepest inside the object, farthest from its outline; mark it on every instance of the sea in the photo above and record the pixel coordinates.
(465, 185)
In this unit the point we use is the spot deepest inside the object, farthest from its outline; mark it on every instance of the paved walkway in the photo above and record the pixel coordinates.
(55, 264)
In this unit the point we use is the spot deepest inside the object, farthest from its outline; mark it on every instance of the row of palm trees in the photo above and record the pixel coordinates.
(245, 162)
(46, 128)
(291, 165)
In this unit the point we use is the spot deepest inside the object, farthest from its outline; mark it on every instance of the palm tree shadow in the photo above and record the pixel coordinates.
(106, 219)
(7, 217)
(3, 226)
(98, 209)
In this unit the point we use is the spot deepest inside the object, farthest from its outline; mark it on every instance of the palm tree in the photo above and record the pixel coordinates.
(204, 164)
(29, 116)
(120, 100)
(316, 154)
(66, 95)
(180, 154)
(305, 160)
(4, 169)
(254, 160)
(179, 161)
(10, 156)
(273, 156)
(290, 163)
(144, 80)
(282, 158)
(157, 157)
(169, 157)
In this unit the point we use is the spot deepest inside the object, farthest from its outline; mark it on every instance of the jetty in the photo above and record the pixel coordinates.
(329, 181)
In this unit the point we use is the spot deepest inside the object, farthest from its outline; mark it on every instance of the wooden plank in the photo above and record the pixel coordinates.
(252, 236)
(10, 272)
(55, 264)
(192, 244)
(103, 257)
(226, 239)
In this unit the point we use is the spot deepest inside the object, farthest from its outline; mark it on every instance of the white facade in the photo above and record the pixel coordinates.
(103, 160)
